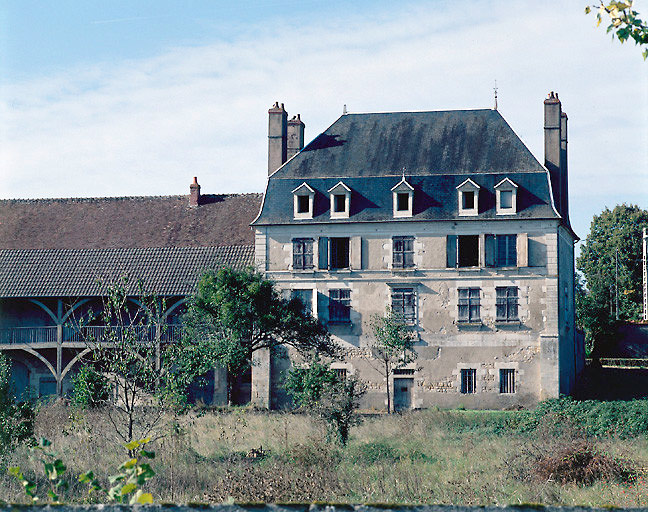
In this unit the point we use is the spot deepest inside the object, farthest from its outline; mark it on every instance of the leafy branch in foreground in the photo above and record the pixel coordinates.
(624, 21)
(126, 485)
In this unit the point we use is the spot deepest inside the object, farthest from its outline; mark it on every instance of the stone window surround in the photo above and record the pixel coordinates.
(480, 375)
(340, 189)
(506, 185)
(508, 365)
(402, 187)
(468, 186)
(303, 190)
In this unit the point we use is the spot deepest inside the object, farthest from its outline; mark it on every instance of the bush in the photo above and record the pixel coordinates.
(377, 451)
(91, 389)
(598, 419)
(581, 463)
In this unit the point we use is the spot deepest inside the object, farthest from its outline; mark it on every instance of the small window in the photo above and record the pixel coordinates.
(468, 200)
(339, 253)
(339, 203)
(507, 380)
(403, 252)
(402, 199)
(403, 304)
(303, 204)
(302, 253)
(506, 199)
(306, 298)
(506, 303)
(339, 306)
(404, 371)
(468, 381)
(469, 305)
(340, 373)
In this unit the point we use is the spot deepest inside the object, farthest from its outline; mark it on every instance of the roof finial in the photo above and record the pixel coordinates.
(404, 169)
(495, 90)
(344, 109)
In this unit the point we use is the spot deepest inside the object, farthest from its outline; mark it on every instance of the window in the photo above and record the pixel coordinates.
(403, 303)
(340, 373)
(506, 303)
(339, 305)
(469, 305)
(339, 203)
(303, 204)
(302, 253)
(304, 196)
(339, 253)
(501, 250)
(403, 198)
(306, 298)
(462, 251)
(468, 200)
(402, 201)
(403, 252)
(506, 199)
(468, 381)
(404, 371)
(340, 199)
(507, 380)
(468, 197)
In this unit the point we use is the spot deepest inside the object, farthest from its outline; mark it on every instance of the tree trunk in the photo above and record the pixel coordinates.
(387, 372)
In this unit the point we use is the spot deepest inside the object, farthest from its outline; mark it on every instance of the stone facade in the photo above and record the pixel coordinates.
(489, 295)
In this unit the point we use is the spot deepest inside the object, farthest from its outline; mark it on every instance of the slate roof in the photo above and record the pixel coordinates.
(127, 222)
(165, 271)
(437, 150)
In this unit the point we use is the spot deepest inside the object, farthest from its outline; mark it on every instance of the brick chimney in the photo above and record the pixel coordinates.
(564, 188)
(295, 136)
(277, 137)
(194, 193)
(553, 150)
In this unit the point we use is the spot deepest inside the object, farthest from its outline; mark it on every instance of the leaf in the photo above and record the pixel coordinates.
(142, 498)
(127, 489)
(52, 495)
(129, 464)
(132, 445)
(147, 454)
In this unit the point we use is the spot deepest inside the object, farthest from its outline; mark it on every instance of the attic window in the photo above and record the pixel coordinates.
(340, 197)
(303, 197)
(303, 204)
(468, 198)
(506, 192)
(403, 198)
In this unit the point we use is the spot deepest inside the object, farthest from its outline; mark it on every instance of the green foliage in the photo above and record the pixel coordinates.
(125, 485)
(374, 451)
(615, 235)
(16, 419)
(90, 388)
(624, 21)
(393, 345)
(624, 419)
(337, 407)
(235, 313)
(307, 384)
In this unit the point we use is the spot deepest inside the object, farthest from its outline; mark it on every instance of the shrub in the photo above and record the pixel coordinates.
(91, 389)
(581, 463)
(377, 451)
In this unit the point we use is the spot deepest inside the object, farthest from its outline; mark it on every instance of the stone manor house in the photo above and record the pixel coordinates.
(445, 217)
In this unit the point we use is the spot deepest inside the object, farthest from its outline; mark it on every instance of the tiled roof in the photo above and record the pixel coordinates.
(165, 271)
(436, 151)
(127, 222)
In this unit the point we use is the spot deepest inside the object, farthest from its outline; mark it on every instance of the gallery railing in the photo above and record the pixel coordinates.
(90, 333)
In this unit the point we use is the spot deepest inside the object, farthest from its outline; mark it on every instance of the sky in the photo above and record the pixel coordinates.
(130, 98)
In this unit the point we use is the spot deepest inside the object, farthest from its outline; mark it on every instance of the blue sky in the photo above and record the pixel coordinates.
(135, 98)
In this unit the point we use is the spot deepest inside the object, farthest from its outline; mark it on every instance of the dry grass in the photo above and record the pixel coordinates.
(458, 457)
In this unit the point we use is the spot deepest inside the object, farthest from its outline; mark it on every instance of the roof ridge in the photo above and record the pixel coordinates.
(114, 198)
(108, 249)
(421, 111)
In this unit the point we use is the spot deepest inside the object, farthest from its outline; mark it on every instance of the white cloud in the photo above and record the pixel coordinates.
(147, 126)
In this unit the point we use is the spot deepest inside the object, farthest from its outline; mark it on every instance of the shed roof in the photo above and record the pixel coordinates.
(165, 271)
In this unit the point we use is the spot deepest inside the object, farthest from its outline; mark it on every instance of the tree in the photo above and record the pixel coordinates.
(125, 346)
(90, 388)
(235, 313)
(610, 261)
(393, 346)
(329, 397)
(624, 21)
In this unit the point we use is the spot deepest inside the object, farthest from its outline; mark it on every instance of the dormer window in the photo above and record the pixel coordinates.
(303, 197)
(403, 198)
(340, 196)
(468, 198)
(506, 192)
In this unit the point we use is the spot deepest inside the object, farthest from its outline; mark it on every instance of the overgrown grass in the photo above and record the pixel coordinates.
(445, 457)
